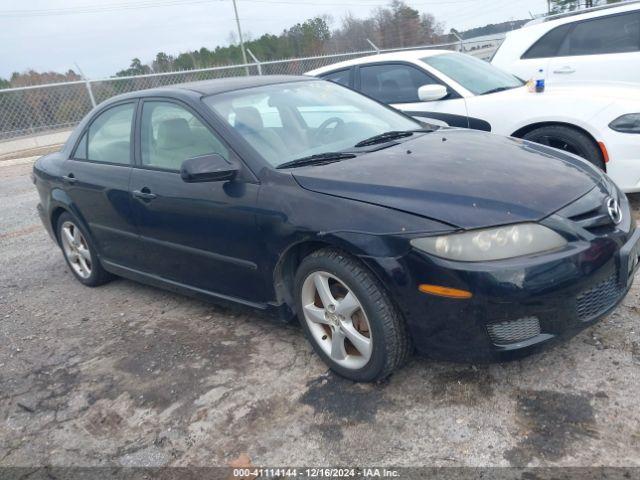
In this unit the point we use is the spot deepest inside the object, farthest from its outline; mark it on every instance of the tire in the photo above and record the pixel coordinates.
(568, 139)
(375, 319)
(78, 249)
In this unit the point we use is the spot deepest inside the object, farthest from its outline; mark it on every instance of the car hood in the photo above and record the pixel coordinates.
(464, 178)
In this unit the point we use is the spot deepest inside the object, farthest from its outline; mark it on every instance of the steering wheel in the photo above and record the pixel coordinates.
(322, 132)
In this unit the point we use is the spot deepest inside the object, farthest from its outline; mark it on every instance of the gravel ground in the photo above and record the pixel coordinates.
(128, 375)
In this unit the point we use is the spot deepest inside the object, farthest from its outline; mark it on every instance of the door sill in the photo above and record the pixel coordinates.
(161, 282)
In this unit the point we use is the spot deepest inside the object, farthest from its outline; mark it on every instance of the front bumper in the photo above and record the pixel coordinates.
(624, 160)
(565, 291)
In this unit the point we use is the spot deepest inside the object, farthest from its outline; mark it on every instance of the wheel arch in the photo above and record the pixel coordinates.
(56, 213)
(522, 131)
(287, 265)
(61, 204)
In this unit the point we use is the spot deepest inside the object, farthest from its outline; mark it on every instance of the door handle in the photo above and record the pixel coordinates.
(70, 178)
(144, 194)
(564, 70)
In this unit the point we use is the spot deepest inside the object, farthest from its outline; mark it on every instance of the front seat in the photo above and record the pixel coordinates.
(249, 124)
(173, 144)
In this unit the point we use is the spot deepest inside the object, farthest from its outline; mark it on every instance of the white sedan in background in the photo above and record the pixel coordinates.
(597, 122)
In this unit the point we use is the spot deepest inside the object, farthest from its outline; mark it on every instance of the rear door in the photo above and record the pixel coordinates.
(98, 174)
(600, 49)
(397, 84)
(203, 235)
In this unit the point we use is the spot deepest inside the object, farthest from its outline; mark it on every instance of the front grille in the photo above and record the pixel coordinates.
(598, 298)
(504, 333)
(590, 212)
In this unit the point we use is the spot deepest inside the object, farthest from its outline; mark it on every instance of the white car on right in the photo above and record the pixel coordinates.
(600, 44)
(599, 122)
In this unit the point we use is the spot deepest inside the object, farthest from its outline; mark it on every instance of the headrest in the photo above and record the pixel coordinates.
(248, 118)
(174, 133)
(390, 85)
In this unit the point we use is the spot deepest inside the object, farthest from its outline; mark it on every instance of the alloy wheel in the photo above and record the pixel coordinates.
(76, 249)
(336, 319)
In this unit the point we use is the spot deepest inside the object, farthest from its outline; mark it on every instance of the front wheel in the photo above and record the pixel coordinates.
(567, 139)
(349, 318)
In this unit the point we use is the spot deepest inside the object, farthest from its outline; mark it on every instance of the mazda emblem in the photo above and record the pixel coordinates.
(613, 208)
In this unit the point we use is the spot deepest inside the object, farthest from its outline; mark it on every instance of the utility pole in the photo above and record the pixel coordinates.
(244, 53)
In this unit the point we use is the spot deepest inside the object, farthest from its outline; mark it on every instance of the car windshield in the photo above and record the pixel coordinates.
(477, 76)
(289, 121)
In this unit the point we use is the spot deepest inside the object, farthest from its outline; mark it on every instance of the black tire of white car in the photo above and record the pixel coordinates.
(391, 345)
(581, 143)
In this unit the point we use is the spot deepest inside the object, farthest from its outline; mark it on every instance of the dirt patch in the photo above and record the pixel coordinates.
(551, 422)
(182, 352)
(341, 399)
(462, 387)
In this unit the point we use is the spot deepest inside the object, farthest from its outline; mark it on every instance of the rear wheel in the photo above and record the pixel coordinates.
(349, 318)
(80, 253)
(567, 139)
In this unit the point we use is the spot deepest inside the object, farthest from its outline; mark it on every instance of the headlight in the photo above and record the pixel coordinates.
(492, 244)
(629, 123)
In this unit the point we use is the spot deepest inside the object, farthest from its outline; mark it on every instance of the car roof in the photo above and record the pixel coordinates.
(407, 55)
(215, 86)
(593, 12)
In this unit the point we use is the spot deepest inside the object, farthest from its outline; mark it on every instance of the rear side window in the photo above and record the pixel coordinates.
(393, 83)
(109, 136)
(613, 34)
(549, 44)
(341, 77)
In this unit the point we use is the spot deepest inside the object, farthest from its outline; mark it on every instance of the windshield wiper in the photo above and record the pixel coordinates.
(387, 136)
(317, 159)
(496, 90)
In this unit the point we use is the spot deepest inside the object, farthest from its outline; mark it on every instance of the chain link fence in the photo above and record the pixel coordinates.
(44, 108)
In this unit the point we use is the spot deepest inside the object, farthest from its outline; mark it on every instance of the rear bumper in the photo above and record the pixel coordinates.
(564, 291)
(45, 221)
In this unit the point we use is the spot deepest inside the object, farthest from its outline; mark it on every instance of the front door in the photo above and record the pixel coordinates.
(202, 235)
(98, 174)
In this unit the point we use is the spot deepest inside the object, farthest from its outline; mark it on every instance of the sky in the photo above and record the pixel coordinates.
(102, 36)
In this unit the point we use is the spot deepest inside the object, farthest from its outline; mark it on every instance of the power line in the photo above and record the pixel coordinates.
(114, 7)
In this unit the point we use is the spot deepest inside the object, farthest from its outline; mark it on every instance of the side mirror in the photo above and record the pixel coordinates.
(207, 168)
(430, 93)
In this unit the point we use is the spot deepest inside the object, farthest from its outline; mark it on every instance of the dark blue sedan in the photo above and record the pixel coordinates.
(303, 198)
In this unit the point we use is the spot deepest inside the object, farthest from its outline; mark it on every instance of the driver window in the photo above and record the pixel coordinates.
(170, 134)
(393, 83)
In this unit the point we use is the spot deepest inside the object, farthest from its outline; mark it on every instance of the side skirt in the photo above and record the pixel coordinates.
(177, 287)
(282, 312)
